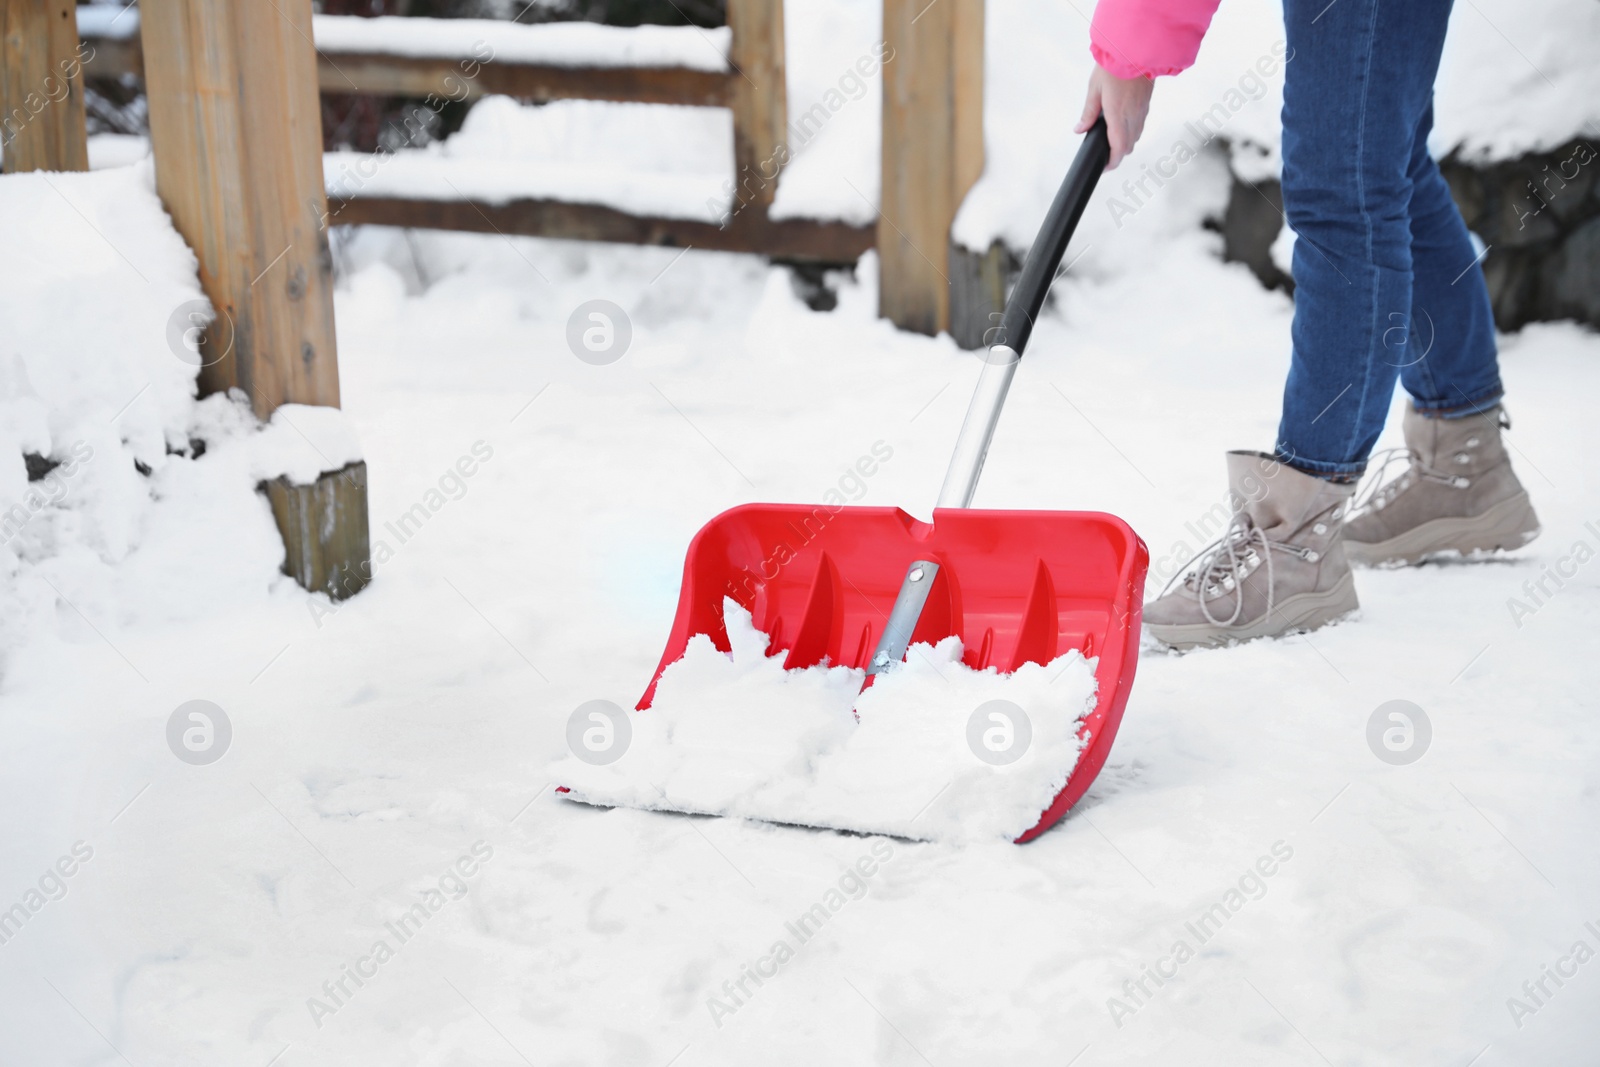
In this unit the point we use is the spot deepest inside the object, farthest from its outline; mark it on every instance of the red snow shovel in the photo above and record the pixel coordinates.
(857, 585)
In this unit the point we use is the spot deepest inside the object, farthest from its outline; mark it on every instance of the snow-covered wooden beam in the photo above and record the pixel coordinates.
(798, 240)
(425, 77)
(464, 59)
(41, 87)
(236, 131)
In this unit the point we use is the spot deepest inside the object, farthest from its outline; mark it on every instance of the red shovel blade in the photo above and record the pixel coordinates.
(1016, 586)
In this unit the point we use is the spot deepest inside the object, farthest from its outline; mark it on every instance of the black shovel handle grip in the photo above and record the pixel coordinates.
(1039, 269)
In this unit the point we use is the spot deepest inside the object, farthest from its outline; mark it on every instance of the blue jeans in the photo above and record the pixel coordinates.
(1386, 279)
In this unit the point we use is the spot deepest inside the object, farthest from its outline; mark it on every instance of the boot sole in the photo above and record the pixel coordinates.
(1507, 525)
(1296, 614)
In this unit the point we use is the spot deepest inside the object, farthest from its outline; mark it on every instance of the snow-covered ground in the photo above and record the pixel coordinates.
(1247, 883)
(376, 743)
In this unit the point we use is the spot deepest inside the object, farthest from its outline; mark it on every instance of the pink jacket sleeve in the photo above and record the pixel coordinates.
(1130, 38)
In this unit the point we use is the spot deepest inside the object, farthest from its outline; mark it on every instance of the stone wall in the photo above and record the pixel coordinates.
(1539, 215)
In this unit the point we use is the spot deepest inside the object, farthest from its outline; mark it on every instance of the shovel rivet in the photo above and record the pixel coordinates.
(916, 574)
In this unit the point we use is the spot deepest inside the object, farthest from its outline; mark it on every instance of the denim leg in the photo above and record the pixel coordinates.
(1453, 369)
(1358, 81)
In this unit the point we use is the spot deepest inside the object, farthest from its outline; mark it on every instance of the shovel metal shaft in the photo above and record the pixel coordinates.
(904, 615)
(983, 415)
(1016, 324)
(999, 367)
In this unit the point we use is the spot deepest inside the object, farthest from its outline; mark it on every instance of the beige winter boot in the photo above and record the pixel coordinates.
(1458, 495)
(1278, 568)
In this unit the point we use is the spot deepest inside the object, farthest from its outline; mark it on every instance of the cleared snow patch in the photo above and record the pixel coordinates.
(735, 734)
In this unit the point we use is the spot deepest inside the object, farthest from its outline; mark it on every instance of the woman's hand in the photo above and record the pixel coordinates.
(1125, 101)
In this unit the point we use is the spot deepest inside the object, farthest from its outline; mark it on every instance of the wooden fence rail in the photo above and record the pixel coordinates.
(790, 240)
(752, 87)
(932, 152)
(375, 74)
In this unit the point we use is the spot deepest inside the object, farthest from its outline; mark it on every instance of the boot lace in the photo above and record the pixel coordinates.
(1377, 493)
(1222, 566)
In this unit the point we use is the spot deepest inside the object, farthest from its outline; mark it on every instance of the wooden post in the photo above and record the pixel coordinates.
(932, 152)
(759, 99)
(41, 86)
(236, 130)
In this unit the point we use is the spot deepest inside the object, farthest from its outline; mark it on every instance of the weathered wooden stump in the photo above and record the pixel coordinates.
(325, 530)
